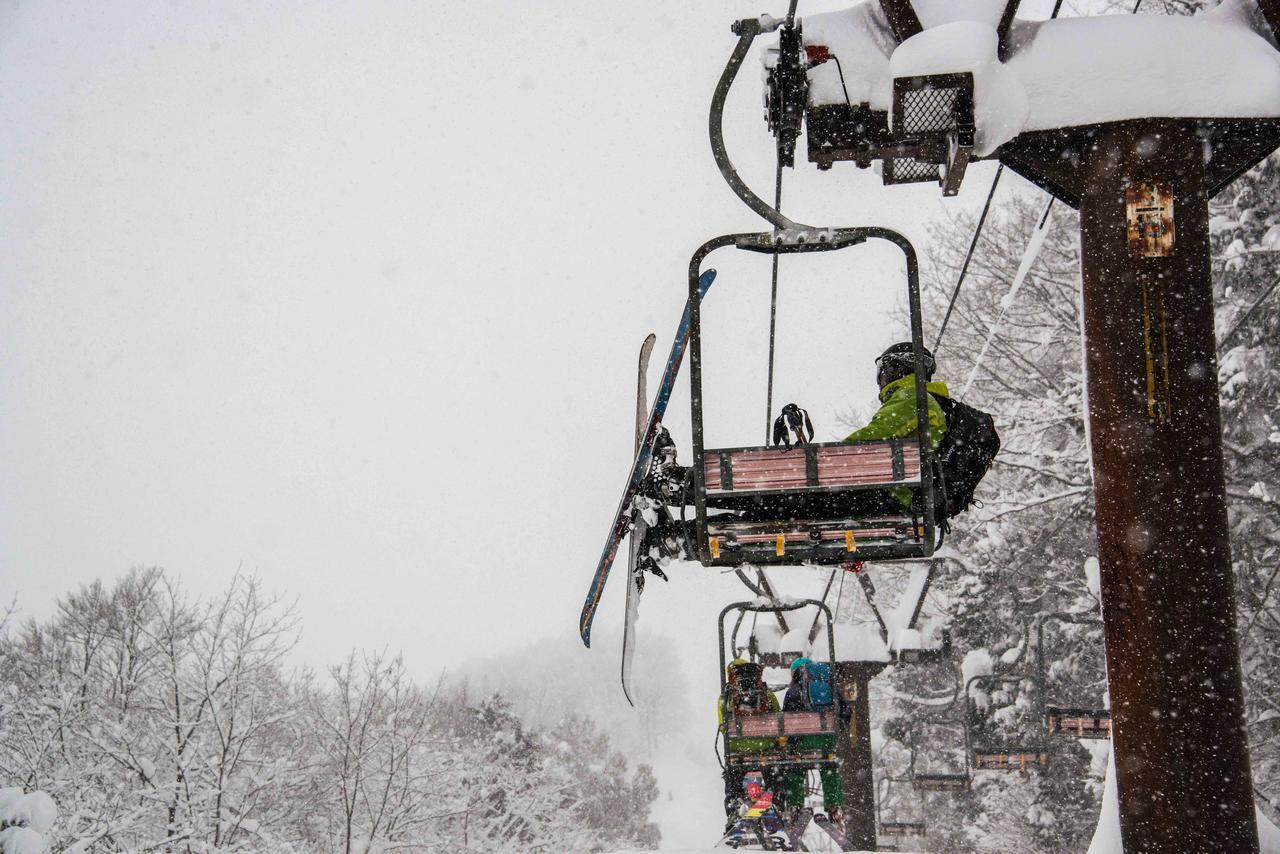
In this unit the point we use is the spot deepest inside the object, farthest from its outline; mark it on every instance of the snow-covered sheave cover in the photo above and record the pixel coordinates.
(1061, 73)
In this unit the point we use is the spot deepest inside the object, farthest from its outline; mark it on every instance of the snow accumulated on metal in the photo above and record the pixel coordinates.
(1060, 73)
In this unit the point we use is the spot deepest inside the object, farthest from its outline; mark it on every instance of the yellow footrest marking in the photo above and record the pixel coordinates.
(850, 543)
(780, 547)
(714, 542)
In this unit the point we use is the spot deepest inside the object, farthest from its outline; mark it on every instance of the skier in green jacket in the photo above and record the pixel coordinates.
(896, 417)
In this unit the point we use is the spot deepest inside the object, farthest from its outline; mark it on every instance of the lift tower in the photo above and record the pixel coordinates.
(1141, 172)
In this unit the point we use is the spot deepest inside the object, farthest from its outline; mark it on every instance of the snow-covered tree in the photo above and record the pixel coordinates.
(1246, 236)
(157, 721)
(1022, 553)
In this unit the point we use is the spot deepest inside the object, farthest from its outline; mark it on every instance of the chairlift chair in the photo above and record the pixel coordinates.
(764, 505)
(1077, 722)
(777, 739)
(934, 780)
(986, 753)
(1070, 720)
(938, 781)
(896, 826)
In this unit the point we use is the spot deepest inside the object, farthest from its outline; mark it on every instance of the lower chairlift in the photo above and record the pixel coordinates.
(755, 741)
(896, 827)
(933, 780)
(1078, 723)
(1070, 721)
(988, 751)
(764, 505)
(939, 776)
(772, 742)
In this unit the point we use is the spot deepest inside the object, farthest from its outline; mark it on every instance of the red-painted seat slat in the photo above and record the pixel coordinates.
(759, 725)
(711, 472)
(862, 464)
(798, 723)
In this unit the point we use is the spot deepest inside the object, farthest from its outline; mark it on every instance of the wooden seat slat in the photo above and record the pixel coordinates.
(792, 462)
(862, 532)
(803, 537)
(711, 470)
(759, 726)
(855, 464)
(787, 723)
(807, 722)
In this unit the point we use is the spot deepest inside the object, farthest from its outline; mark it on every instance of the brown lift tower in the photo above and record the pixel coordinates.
(1142, 187)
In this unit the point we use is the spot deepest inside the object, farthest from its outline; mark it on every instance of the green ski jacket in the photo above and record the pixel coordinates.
(896, 418)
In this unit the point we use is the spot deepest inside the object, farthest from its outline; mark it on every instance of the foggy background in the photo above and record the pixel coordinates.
(349, 297)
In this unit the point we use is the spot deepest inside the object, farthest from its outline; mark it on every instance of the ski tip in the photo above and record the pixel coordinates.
(586, 638)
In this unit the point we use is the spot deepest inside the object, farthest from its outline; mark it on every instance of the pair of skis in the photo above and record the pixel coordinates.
(635, 575)
(622, 520)
(762, 834)
(762, 829)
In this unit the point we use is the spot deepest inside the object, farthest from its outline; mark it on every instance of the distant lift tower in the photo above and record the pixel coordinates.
(1137, 121)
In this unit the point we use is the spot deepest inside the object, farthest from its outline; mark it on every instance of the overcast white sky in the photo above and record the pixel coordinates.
(349, 295)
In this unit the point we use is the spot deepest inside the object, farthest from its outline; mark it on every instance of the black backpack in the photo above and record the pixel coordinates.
(745, 691)
(965, 452)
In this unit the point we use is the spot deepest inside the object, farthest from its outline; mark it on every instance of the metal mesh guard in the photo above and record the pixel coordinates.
(909, 170)
(929, 110)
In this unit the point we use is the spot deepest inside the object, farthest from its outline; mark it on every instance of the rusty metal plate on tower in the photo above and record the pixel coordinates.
(1149, 212)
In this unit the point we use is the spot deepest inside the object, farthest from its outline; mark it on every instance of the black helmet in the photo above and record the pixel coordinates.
(900, 359)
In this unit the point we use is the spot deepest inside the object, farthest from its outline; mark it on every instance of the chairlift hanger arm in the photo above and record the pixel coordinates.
(763, 590)
(746, 30)
(750, 585)
(813, 629)
(924, 594)
(768, 591)
(869, 591)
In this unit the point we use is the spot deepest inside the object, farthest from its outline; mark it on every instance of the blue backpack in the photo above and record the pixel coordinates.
(819, 678)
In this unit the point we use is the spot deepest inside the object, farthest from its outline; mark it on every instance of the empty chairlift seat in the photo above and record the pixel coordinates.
(902, 828)
(1009, 760)
(940, 782)
(792, 505)
(1078, 723)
